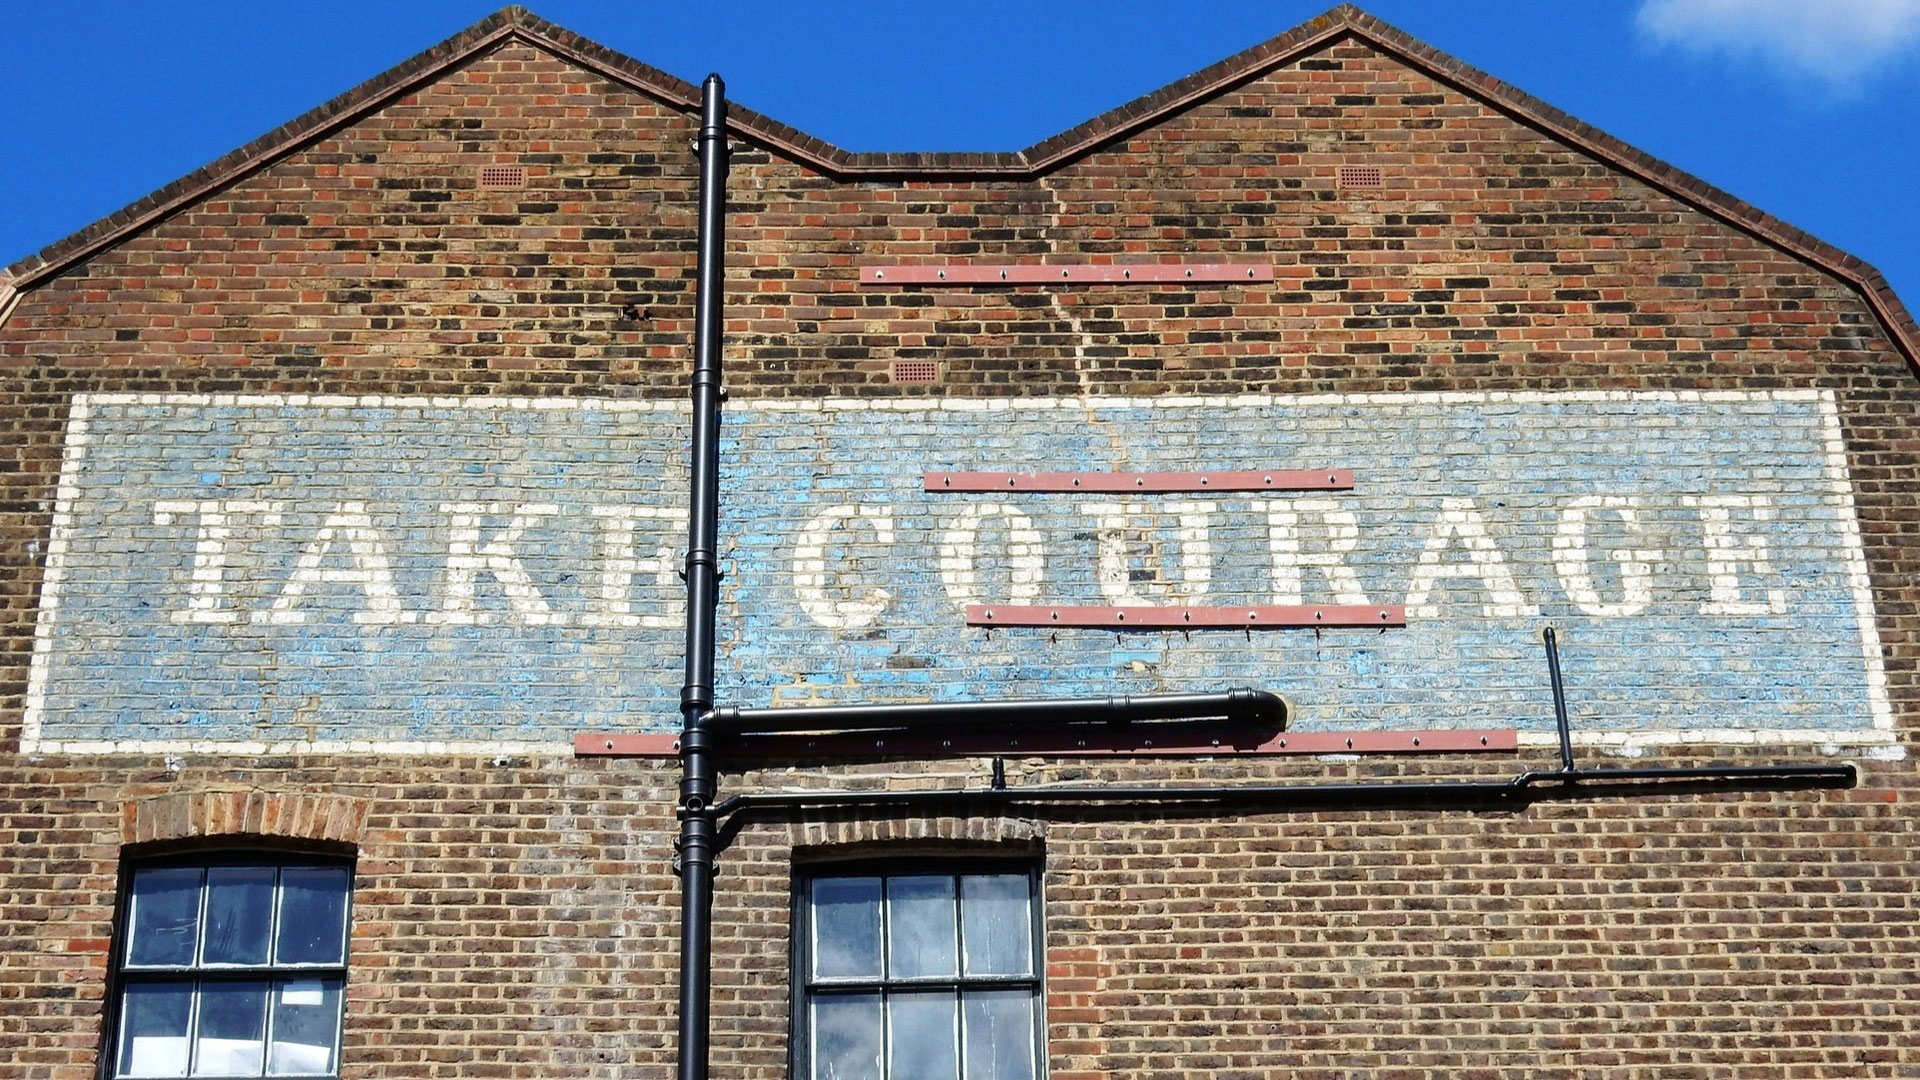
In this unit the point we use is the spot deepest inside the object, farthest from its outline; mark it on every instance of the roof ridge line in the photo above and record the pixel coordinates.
(1129, 116)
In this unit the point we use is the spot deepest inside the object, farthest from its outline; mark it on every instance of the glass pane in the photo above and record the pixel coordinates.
(999, 1027)
(846, 927)
(165, 916)
(997, 924)
(232, 1030)
(919, 927)
(239, 915)
(922, 1036)
(153, 1029)
(313, 915)
(306, 1026)
(846, 1036)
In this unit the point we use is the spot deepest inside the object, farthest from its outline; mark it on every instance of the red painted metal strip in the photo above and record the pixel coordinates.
(625, 745)
(1225, 480)
(1188, 618)
(1076, 274)
(1484, 740)
(1184, 740)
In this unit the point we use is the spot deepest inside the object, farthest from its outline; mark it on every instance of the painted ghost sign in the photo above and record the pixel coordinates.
(378, 574)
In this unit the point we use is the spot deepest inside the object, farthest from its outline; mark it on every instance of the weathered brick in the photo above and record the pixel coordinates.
(515, 911)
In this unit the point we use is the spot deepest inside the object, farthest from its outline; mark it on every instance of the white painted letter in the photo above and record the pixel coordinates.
(810, 567)
(1283, 537)
(1117, 520)
(1571, 558)
(960, 555)
(620, 560)
(467, 558)
(371, 571)
(1459, 517)
(1726, 552)
(208, 583)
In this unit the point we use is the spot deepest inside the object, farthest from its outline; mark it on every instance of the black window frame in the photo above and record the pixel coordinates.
(121, 976)
(804, 987)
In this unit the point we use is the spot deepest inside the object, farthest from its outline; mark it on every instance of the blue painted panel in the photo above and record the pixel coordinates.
(460, 572)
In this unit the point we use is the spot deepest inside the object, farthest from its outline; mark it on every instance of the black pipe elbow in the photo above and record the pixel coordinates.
(1264, 706)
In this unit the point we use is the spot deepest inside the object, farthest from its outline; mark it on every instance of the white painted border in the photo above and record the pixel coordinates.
(1878, 742)
(343, 747)
(948, 404)
(1841, 480)
(67, 490)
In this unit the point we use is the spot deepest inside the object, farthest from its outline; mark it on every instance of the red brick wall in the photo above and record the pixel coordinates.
(517, 918)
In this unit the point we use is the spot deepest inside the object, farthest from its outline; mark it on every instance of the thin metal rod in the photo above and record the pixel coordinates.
(698, 778)
(1559, 700)
(1239, 705)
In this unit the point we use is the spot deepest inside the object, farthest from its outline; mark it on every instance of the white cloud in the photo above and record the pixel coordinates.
(1838, 42)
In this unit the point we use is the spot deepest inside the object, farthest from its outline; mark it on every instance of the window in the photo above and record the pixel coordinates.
(918, 976)
(232, 969)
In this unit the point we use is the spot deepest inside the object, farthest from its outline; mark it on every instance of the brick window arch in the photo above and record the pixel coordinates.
(273, 815)
(230, 947)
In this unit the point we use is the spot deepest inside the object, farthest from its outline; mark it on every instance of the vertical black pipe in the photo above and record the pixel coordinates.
(698, 768)
(1559, 700)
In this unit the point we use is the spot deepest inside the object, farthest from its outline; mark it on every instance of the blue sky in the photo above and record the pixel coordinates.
(1808, 110)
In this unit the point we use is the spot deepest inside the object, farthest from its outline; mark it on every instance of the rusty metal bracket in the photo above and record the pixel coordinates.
(1143, 482)
(1143, 617)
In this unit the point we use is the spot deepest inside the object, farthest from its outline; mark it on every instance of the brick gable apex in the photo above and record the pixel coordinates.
(1341, 23)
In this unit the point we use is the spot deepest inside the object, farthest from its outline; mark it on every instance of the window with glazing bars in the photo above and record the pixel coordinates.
(232, 968)
(924, 974)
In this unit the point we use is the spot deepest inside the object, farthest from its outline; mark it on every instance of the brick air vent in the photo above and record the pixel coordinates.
(1360, 176)
(915, 371)
(503, 176)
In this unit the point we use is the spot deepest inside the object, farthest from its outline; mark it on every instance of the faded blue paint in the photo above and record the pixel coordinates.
(120, 668)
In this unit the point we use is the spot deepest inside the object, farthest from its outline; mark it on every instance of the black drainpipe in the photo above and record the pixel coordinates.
(702, 728)
(698, 769)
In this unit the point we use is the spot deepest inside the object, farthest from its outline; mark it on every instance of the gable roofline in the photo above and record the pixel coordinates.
(1043, 157)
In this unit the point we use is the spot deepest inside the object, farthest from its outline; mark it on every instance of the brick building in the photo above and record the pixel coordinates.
(345, 495)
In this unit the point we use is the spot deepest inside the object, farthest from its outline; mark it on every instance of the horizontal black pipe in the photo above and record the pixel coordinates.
(1549, 784)
(1839, 774)
(1239, 705)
